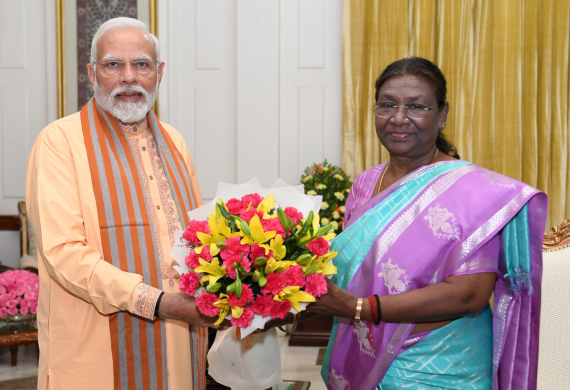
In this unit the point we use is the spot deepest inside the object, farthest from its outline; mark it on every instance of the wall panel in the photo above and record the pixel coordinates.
(311, 39)
(14, 113)
(208, 34)
(311, 126)
(257, 90)
(12, 34)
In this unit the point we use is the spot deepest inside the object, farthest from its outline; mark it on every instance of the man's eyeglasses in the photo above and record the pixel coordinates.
(139, 66)
(413, 111)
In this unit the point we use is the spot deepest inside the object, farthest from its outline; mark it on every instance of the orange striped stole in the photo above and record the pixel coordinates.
(138, 344)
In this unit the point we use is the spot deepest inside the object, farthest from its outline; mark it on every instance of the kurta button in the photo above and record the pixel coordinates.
(150, 177)
(157, 207)
(144, 148)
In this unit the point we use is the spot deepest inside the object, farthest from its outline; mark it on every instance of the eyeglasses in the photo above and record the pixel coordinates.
(413, 111)
(139, 66)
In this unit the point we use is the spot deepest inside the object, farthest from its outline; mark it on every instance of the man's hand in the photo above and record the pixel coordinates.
(279, 322)
(182, 307)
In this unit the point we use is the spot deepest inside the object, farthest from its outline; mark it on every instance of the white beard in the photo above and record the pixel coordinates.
(126, 112)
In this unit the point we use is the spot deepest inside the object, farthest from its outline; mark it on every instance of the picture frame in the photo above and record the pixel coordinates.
(76, 23)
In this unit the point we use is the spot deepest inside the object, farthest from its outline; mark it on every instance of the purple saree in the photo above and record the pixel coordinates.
(439, 220)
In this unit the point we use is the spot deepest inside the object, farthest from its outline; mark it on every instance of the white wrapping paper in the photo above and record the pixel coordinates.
(233, 365)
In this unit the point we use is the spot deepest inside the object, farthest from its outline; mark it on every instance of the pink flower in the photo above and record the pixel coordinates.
(33, 309)
(247, 216)
(235, 207)
(20, 291)
(294, 214)
(189, 282)
(275, 283)
(254, 199)
(318, 247)
(11, 303)
(274, 225)
(192, 260)
(316, 285)
(232, 254)
(245, 298)
(25, 303)
(24, 311)
(245, 320)
(194, 227)
(280, 309)
(205, 303)
(3, 312)
(13, 311)
(262, 305)
(294, 276)
(257, 251)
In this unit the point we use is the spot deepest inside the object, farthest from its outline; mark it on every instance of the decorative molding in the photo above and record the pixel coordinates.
(9, 222)
(558, 237)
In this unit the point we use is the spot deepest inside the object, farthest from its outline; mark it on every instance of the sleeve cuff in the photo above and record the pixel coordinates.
(146, 300)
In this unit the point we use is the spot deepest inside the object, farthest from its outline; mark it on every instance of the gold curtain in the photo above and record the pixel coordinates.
(507, 65)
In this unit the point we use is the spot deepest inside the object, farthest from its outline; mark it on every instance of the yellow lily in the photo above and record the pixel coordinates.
(277, 266)
(257, 233)
(219, 232)
(225, 308)
(212, 270)
(307, 237)
(294, 295)
(266, 206)
(329, 236)
(276, 247)
(326, 268)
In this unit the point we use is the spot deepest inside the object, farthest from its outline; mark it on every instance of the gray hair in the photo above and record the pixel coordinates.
(121, 23)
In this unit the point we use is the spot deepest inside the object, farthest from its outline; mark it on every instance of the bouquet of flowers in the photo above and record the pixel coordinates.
(334, 185)
(18, 293)
(252, 258)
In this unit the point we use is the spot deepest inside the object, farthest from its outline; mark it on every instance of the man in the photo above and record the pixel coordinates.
(106, 189)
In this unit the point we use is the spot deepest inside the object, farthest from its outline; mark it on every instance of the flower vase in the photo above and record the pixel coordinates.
(18, 323)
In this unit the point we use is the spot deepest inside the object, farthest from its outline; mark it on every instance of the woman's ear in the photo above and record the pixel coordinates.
(443, 116)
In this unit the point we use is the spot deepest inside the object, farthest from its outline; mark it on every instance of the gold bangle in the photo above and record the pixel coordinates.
(293, 328)
(358, 310)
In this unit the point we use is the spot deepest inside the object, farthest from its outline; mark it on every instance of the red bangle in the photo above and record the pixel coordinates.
(373, 309)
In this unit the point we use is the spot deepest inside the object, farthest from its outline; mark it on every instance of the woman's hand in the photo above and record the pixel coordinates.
(337, 302)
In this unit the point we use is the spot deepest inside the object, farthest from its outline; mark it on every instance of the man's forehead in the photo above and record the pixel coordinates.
(126, 43)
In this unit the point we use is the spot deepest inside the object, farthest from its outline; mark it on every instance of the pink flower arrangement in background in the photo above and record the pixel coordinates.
(19, 292)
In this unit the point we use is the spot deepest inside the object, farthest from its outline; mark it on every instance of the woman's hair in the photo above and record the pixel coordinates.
(417, 66)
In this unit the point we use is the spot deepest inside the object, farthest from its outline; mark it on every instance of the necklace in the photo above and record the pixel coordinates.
(386, 170)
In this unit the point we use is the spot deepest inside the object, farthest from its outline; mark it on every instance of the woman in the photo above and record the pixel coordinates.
(432, 237)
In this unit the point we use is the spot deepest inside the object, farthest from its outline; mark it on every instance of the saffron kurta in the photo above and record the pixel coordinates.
(78, 288)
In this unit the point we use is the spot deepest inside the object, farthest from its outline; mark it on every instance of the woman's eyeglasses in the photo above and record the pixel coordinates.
(413, 111)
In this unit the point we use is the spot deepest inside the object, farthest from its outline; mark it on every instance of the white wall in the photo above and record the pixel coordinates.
(253, 85)
(28, 99)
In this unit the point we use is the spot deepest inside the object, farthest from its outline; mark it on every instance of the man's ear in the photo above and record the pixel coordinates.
(92, 75)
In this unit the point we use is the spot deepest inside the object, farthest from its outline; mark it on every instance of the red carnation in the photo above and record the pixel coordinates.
(244, 321)
(318, 247)
(254, 199)
(316, 285)
(193, 259)
(235, 207)
(274, 225)
(194, 227)
(205, 303)
(275, 283)
(189, 282)
(258, 251)
(245, 298)
(247, 216)
(232, 254)
(280, 309)
(262, 305)
(294, 214)
(294, 276)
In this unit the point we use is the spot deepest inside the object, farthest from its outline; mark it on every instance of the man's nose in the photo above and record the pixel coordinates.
(128, 75)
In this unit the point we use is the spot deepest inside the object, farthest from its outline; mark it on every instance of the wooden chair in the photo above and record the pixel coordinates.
(554, 343)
